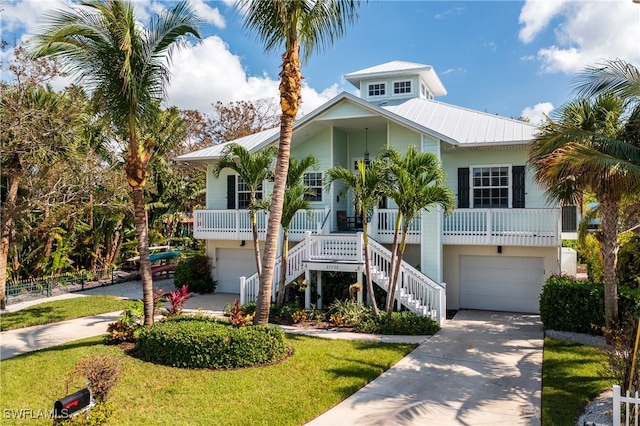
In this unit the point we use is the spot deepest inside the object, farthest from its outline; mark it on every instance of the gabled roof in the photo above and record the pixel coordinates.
(449, 123)
(400, 68)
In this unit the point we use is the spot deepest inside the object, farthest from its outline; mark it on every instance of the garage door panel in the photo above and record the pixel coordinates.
(501, 283)
(232, 264)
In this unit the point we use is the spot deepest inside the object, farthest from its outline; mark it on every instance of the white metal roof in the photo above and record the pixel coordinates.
(452, 124)
(251, 142)
(400, 68)
(465, 126)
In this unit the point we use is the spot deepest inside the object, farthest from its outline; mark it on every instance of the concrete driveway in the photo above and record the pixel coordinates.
(481, 368)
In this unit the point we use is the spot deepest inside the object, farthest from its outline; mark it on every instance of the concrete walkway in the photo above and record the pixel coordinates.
(482, 368)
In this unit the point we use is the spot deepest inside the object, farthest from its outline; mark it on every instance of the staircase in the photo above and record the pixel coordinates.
(414, 290)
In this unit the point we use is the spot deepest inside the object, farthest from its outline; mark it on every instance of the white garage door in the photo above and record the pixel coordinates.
(499, 283)
(231, 265)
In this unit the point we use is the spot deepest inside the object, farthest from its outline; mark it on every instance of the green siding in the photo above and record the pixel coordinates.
(431, 247)
(534, 197)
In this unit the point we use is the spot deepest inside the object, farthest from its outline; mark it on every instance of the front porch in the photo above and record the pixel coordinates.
(508, 227)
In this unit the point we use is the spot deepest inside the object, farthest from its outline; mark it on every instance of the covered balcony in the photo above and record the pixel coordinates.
(508, 227)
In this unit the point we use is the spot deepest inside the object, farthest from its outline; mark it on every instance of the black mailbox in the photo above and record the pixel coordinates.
(68, 405)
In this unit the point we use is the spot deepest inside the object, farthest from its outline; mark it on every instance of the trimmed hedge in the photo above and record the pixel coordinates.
(570, 305)
(399, 323)
(202, 342)
(195, 272)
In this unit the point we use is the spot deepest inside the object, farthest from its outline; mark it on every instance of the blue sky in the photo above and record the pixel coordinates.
(504, 57)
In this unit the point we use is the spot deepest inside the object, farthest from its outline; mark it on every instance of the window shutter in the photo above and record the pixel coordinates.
(518, 187)
(231, 192)
(463, 188)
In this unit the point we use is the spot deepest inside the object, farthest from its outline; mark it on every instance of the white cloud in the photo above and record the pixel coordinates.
(208, 72)
(536, 114)
(457, 70)
(536, 15)
(586, 33)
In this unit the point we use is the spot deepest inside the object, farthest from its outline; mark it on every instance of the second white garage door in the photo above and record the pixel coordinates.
(501, 283)
(231, 265)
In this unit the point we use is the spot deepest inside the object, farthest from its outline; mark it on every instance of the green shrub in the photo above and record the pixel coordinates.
(628, 269)
(570, 305)
(350, 313)
(195, 272)
(399, 323)
(593, 258)
(202, 342)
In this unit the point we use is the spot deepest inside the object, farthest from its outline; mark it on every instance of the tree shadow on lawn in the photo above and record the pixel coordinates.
(9, 320)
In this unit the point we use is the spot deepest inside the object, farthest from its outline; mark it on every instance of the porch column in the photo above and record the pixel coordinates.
(361, 281)
(307, 290)
(319, 289)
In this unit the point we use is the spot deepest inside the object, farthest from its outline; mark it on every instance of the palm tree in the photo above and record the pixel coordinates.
(295, 198)
(592, 146)
(253, 169)
(417, 184)
(617, 76)
(125, 66)
(296, 24)
(368, 185)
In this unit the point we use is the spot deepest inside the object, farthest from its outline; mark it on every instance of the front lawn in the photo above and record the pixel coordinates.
(318, 375)
(61, 310)
(572, 375)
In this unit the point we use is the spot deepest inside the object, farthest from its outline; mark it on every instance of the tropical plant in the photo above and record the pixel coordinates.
(125, 65)
(295, 198)
(296, 24)
(417, 183)
(37, 135)
(593, 145)
(254, 169)
(614, 76)
(368, 184)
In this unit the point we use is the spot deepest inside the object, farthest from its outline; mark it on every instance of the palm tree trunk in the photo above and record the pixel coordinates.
(256, 242)
(290, 95)
(8, 211)
(142, 233)
(609, 209)
(396, 267)
(367, 267)
(394, 250)
(283, 267)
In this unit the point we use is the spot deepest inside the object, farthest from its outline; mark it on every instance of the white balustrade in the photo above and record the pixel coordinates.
(383, 225)
(517, 227)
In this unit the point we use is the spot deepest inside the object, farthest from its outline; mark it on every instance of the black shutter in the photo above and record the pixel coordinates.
(518, 187)
(463, 188)
(231, 192)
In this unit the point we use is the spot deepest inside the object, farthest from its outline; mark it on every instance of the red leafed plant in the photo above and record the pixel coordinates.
(177, 299)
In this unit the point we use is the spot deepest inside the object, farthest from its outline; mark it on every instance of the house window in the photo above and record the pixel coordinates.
(400, 87)
(424, 92)
(313, 181)
(244, 194)
(490, 186)
(377, 89)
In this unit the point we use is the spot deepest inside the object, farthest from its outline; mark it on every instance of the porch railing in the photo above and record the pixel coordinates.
(414, 290)
(383, 225)
(517, 227)
(236, 224)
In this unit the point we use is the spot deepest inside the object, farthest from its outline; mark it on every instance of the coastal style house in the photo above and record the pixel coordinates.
(494, 252)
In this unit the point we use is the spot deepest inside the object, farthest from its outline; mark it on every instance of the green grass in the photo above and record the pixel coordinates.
(316, 377)
(61, 310)
(572, 375)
